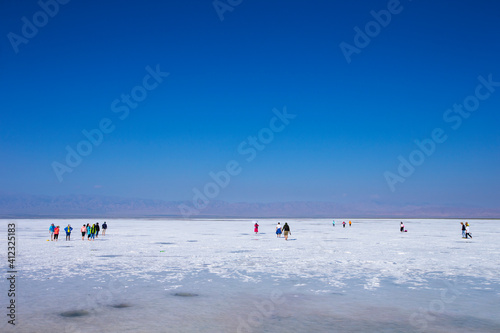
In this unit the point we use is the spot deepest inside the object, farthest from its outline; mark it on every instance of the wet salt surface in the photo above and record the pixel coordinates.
(368, 277)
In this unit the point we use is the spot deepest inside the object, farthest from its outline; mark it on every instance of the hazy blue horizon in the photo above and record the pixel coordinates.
(103, 207)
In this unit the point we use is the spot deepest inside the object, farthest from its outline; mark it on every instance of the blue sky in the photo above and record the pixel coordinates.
(225, 78)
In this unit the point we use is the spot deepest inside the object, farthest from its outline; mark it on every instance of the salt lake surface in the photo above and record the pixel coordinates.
(216, 275)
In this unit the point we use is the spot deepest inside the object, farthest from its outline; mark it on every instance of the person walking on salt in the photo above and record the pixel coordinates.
(278, 230)
(104, 228)
(286, 230)
(467, 230)
(83, 231)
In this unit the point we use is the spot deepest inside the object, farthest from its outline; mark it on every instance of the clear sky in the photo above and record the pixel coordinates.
(356, 112)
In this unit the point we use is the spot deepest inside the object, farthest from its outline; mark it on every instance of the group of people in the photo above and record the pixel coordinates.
(91, 231)
(343, 223)
(285, 230)
(54, 232)
(466, 230)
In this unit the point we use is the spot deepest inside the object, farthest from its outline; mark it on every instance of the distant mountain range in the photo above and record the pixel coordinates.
(38, 206)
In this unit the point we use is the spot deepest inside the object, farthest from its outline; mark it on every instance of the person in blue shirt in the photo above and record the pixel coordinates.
(88, 231)
(68, 232)
(51, 230)
(104, 227)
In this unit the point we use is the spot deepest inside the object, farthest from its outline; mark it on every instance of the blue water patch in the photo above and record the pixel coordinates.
(74, 313)
(185, 294)
(121, 306)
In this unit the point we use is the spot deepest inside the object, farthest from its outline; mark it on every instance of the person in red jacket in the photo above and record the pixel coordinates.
(256, 228)
(56, 233)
